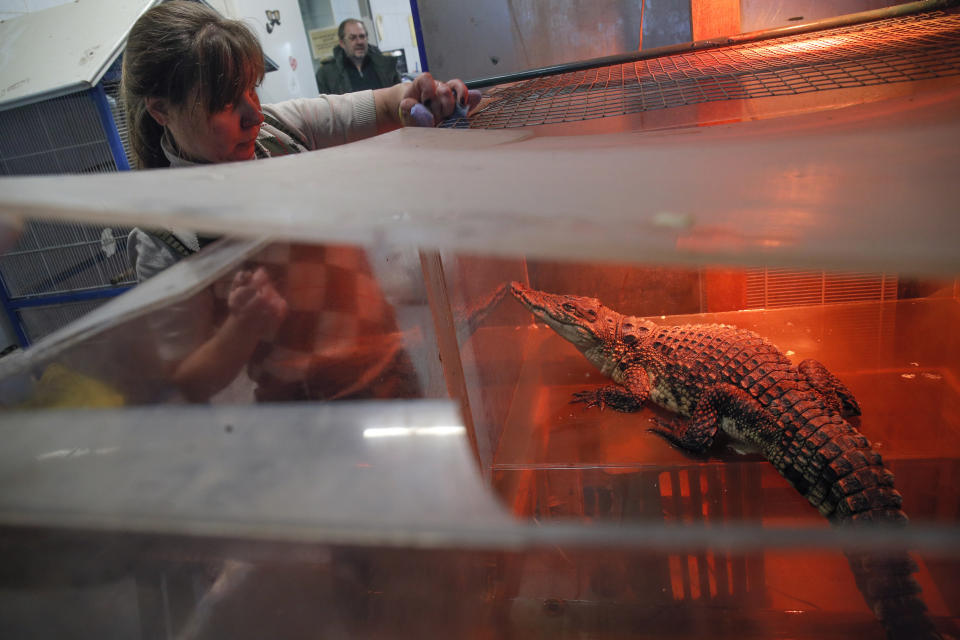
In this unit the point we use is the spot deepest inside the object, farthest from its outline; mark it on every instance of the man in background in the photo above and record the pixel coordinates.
(355, 64)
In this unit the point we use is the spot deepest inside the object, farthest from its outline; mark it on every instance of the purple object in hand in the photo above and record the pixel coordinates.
(421, 116)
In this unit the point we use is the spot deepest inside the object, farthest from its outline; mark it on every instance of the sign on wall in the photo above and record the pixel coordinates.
(322, 42)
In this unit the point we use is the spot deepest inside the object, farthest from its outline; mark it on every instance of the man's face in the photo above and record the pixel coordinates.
(354, 41)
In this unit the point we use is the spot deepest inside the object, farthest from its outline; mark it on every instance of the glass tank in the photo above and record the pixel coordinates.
(394, 418)
(554, 458)
(534, 515)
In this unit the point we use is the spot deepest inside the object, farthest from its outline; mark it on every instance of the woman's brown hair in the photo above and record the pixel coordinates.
(184, 52)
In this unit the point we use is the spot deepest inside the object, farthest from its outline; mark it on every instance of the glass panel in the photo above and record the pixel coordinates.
(554, 459)
(284, 322)
(897, 357)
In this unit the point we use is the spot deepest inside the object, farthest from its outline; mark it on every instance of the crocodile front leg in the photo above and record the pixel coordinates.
(627, 397)
(750, 422)
(830, 388)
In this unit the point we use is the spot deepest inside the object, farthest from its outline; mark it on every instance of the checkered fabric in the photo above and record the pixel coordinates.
(340, 337)
(276, 139)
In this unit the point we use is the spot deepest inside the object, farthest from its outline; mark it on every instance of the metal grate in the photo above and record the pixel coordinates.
(59, 271)
(112, 91)
(62, 135)
(56, 258)
(773, 288)
(915, 47)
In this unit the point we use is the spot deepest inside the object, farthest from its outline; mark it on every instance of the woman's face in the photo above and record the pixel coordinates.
(225, 136)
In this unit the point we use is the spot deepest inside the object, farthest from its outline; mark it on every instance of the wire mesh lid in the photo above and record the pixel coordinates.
(901, 49)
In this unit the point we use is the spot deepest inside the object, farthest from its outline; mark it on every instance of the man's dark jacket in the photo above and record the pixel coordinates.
(332, 76)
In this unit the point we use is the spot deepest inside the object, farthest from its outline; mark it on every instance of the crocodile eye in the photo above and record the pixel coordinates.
(568, 307)
(591, 315)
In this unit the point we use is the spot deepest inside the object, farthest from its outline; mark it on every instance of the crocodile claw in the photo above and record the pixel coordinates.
(663, 427)
(589, 398)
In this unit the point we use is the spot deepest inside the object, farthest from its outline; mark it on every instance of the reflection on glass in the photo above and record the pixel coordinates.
(305, 322)
(394, 432)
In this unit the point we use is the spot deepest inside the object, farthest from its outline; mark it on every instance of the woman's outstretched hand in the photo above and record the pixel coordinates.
(423, 102)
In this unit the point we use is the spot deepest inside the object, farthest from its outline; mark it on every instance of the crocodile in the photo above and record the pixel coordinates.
(719, 379)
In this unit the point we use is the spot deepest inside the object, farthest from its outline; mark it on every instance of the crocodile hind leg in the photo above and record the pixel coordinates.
(830, 388)
(748, 420)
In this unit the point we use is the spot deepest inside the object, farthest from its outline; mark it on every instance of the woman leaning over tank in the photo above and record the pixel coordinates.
(189, 87)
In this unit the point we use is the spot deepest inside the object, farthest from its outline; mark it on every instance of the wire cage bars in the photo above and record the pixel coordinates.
(59, 271)
(899, 49)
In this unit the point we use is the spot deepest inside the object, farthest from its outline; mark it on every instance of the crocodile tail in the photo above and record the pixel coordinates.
(887, 584)
(865, 497)
(840, 473)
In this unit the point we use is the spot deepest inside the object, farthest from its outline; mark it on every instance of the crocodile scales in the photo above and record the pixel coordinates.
(721, 378)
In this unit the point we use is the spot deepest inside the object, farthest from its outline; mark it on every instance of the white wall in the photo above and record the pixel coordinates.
(392, 20)
(286, 44)
(343, 9)
(13, 8)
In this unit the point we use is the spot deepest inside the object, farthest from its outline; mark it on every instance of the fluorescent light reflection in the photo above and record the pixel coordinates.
(394, 432)
(76, 453)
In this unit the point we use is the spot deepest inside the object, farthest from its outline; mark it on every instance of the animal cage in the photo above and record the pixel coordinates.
(56, 272)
